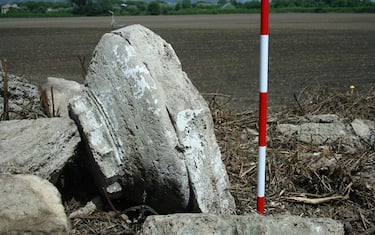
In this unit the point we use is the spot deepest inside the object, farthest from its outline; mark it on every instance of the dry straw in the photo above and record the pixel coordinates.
(303, 179)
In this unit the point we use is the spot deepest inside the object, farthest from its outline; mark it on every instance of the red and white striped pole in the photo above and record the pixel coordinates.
(263, 89)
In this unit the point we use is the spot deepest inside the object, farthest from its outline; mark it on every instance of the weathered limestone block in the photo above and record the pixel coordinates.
(321, 130)
(63, 90)
(40, 147)
(30, 205)
(191, 224)
(147, 127)
(317, 133)
(328, 129)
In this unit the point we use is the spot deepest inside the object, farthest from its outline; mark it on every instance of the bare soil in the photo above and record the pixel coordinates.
(220, 53)
(313, 57)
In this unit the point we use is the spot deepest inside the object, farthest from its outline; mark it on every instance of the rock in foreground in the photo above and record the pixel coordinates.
(148, 130)
(191, 224)
(30, 205)
(40, 147)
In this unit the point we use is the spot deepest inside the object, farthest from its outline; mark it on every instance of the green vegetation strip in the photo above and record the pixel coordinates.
(183, 7)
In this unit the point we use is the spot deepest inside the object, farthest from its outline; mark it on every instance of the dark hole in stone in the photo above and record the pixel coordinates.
(77, 188)
(76, 182)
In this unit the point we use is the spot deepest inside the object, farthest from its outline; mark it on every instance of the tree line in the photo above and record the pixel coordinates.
(159, 7)
(321, 3)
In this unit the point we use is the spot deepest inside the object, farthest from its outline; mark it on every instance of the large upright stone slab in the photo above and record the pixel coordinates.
(40, 147)
(147, 127)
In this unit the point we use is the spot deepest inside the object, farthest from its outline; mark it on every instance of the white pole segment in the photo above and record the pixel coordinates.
(263, 85)
(261, 171)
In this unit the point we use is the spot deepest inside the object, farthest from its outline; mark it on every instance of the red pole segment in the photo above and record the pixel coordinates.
(264, 13)
(263, 89)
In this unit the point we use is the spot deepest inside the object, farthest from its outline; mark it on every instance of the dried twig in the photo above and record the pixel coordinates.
(110, 203)
(299, 104)
(369, 231)
(82, 60)
(243, 174)
(316, 200)
(214, 104)
(363, 219)
(118, 214)
(53, 103)
(44, 101)
(4, 69)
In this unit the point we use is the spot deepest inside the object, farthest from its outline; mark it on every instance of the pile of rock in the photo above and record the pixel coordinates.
(144, 126)
(147, 136)
(23, 98)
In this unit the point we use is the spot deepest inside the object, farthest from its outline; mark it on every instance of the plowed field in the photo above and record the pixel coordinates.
(219, 52)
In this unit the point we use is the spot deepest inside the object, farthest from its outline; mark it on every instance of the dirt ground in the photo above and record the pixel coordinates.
(315, 56)
(220, 53)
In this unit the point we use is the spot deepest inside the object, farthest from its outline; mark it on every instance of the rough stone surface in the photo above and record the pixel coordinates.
(315, 133)
(323, 118)
(23, 98)
(365, 129)
(328, 129)
(148, 128)
(40, 147)
(63, 90)
(30, 205)
(191, 224)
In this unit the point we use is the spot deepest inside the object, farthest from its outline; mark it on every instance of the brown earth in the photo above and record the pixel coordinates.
(316, 56)
(219, 52)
